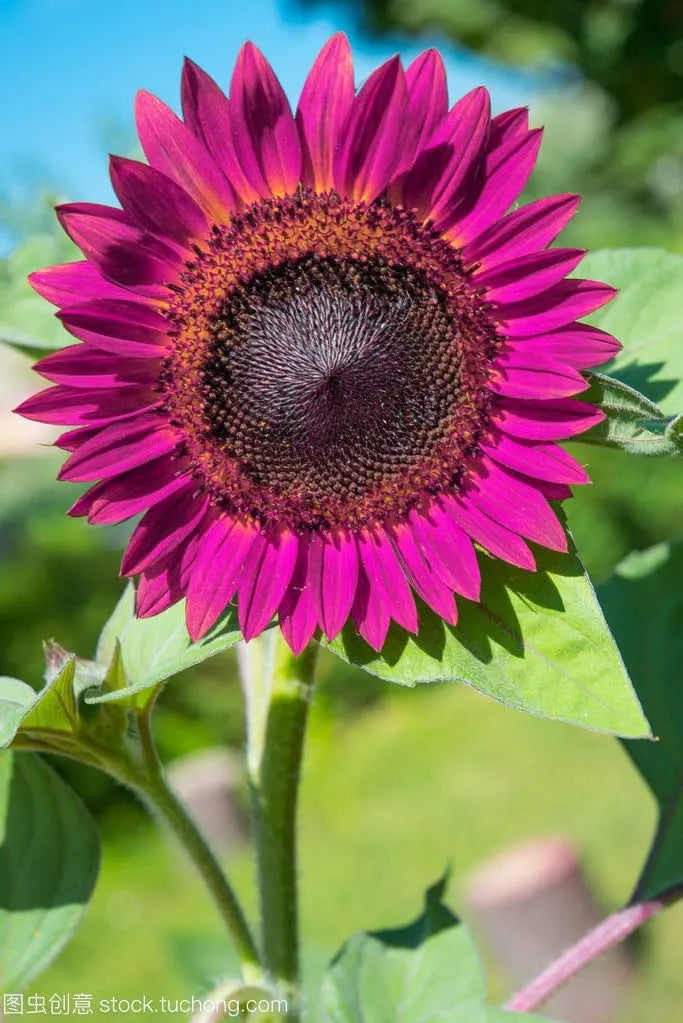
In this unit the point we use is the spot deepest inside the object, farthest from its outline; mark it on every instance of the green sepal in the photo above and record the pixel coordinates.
(47, 718)
(646, 317)
(641, 389)
(16, 699)
(632, 422)
(55, 718)
(154, 649)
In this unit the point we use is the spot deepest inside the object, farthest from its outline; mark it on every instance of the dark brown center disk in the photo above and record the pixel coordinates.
(331, 377)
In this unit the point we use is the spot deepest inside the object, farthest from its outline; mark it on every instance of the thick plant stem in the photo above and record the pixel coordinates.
(154, 787)
(605, 935)
(278, 688)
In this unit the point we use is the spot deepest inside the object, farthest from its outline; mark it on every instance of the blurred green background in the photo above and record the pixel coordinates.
(397, 783)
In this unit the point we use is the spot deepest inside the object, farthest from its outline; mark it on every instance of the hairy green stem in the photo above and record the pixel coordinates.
(138, 767)
(278, 688)
(153, 785)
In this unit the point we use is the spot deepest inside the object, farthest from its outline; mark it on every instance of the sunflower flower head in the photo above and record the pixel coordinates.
(318, 353)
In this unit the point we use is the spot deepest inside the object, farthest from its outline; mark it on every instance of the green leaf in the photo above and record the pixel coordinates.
(55, 708)
(49, 858)
(55, 719)
(16, 699)
(537, 641)
(153, 649)
(427, 971)
(633, 423)
(646, 317)
(644, 605)
(51, 711)
(27, 321)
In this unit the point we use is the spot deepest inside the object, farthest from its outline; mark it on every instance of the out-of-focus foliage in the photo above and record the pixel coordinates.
(26, 320)
(615, 130)
(632, 48)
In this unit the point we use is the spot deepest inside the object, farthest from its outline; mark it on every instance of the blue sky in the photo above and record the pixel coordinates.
(69, 70)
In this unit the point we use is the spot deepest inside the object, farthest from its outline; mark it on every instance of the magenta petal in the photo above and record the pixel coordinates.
(545, 461)
(72, 406)
(118, 499)
(385, 574)
(578, 344)
(156, 593)
(163, 528)
(497, 539)
(517, 505)
(525, 230)
(264, 132)
(121, 327)
(122, 251)
(171, 148)
(567, 301)
(505, 173)
(267, 574)
(526, 276)
(370, 612)
(216, 573)
(369, 148)
(166, 583)
(421, 575)
(333, 575)
(440, 171)
(448, 549)
(156, 202)
(74, 439)
(207, 112)
(194, 81)
(547, 420)
(553, 491)
(83, 506)
(72, 283)
(119, 447)
(518, 377)
(296, 614)
(427, 104)
(81, 366)
(159, 590)
(325, 102)
(509, 124)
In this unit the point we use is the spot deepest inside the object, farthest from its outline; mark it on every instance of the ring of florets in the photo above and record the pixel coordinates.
(330, 362)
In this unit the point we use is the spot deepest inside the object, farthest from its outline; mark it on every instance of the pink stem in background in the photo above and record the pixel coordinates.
(598, 940)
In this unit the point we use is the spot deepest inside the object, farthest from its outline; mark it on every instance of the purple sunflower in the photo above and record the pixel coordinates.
(318, 353)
